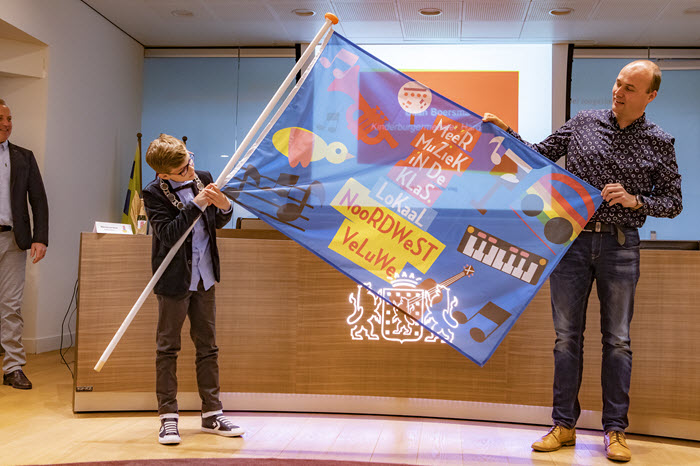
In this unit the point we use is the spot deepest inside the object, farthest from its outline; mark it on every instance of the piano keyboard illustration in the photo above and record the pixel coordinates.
(501, 255)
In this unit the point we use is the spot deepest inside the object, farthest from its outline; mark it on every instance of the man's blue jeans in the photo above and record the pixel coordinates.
(615, 269)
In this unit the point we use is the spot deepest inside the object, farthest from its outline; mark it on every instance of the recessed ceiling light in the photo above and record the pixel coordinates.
(304, 13)
(430, 12)
(182, 13)
(560, 11)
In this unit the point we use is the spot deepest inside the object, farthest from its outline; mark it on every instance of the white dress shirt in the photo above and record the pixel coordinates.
(5, 206)
(201, 256)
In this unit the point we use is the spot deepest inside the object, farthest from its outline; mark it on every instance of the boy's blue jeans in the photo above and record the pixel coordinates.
(615, 269)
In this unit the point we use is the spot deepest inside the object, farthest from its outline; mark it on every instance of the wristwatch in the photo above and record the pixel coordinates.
(640, 202)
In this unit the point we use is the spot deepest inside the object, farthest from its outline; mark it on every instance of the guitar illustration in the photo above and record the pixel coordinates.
(410, 303)
(433, 291)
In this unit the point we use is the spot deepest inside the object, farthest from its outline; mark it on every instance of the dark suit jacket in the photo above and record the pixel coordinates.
(169, 224)
(25, 182)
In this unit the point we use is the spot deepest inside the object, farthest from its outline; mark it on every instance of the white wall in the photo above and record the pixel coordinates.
(84, 139)
(560, 59)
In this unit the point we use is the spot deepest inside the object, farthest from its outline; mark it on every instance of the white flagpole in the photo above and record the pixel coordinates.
(139, 302)
(263, 134)
(330, 20)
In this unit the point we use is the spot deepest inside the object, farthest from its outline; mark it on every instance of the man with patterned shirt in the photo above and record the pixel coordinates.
(633, 162)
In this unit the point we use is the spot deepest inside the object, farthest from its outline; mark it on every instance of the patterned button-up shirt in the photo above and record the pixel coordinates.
(640, 157)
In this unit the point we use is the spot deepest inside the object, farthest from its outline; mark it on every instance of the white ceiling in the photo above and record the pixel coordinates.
(672, 23)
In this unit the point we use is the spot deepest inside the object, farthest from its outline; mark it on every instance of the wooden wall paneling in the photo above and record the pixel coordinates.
(282, 322)
(257, 307)
(113, 273)
(337, 364)
(665, 330)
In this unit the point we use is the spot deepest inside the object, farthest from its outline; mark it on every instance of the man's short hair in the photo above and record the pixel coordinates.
(655, 83)
(165, 154)
(655, 79)
(2, 102)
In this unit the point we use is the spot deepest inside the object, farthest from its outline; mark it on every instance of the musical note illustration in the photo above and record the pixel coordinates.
(294, 199)
(364, 121)
(346, 81)
(234, 192)
(485, 322)
(343, 55)
(302, 146)
(509, 169)
(332, 119)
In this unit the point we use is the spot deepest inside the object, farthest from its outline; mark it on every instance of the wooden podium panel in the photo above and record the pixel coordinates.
(285, 327)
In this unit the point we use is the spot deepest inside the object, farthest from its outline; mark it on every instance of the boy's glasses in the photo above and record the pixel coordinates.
(186, 168)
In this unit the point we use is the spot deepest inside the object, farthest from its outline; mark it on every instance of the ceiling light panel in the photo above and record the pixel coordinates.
(270, 22)
(376, 30)
(592, 32)
(682, 10)
(485, 30)
(431, 30)
(582, 10)
(496, 10)
(164, 10)
(239, 11)
(355, 11)
(629, 10)
(410, 11)
(283, 9)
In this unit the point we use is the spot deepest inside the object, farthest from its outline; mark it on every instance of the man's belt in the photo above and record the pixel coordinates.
(5, 227)
(600, 227)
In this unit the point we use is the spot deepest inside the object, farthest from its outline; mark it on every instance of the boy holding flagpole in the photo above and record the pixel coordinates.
(174, 200)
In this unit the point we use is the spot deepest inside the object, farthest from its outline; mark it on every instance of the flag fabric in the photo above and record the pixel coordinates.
(134, 212)
(448, 225)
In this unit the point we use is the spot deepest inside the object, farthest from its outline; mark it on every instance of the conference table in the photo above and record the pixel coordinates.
(297, 335)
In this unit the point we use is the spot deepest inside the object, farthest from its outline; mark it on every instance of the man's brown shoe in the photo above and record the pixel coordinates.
(17, 379)
(616, 446)
(556, 438)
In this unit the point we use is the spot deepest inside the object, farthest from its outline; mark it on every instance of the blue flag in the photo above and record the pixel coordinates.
(449, 225)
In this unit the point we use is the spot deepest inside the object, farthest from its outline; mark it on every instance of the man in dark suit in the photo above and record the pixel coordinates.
(20, 181)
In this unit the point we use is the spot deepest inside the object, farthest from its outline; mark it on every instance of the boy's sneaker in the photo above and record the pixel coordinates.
(215, 422)
(168, 435)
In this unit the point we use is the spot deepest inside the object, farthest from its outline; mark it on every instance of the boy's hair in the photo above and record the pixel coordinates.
(166, 154)
(2, 103)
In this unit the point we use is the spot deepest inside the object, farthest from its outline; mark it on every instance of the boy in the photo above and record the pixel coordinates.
(173, 200)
